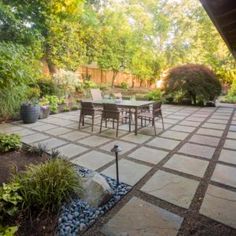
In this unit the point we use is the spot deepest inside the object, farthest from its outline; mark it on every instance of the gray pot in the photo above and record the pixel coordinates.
(44, 112)
(29, 113)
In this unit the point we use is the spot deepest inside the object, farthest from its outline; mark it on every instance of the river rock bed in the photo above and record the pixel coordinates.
(78, 215)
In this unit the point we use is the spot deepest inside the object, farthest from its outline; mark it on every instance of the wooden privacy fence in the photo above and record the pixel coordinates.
(105, 77)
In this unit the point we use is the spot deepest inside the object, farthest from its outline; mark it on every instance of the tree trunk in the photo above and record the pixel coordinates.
(113, 78)
(133, 81)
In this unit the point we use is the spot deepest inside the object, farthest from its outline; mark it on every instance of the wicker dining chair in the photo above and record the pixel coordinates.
(112, 112)
(88, 109)
(151, 116)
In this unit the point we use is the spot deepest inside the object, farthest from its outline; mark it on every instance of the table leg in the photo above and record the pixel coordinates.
(136, 120)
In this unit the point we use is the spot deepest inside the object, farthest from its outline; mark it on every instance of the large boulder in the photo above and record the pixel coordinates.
(96, 190)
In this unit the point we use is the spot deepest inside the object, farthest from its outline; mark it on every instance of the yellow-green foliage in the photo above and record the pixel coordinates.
(9, 142)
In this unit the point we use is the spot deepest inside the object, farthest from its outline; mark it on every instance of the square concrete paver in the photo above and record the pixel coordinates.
(225, 175)
(94, 141)
(130, 172)
(125, 146)
(175, 189)
(71, 150)
(34, 138)
(232, 128)
(231, 135)
(93, 160)
(197, 150)
(140, 218)
(201, 139)
(75, 135)
(231, 144)
(220, 204)
(214, 126)
(187, 129)
(174, 135)
(111, 133)
(217, 121)
(210, 132)
(187, 165)
(44, 127)
(140, 138)
(190, 123)
(228, 156)
(164, 143)
(58, 131)
(51, 143)
(22, 132)
(149, 155)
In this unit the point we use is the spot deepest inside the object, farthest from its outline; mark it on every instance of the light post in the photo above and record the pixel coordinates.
(116, 149)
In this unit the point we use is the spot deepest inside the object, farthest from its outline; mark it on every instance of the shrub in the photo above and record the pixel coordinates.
(8, 230)
(124, 85)
(9, 142)
(46, 186)
(155, 95)
(232, 91)
(53, 103)
(9, 200)
(196, 82)
(48, 87)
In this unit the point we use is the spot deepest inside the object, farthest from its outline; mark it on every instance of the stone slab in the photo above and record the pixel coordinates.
(34, 138)
(58, 131)
(220, 204)
(93, 160)
(232, 128)
(51, 143)
(187, 165)
(182, 128)
(217, 121)
(231, 144)
(210, 132)
(228, 156)
(174, 135)
(190, 123)
(111, 133)
(71, 150)
(175, 189)
(94, 141)
(75, 135)
(207, 140)
(125, 146)
(140, 218)
(197, 150)
(149, 155)
(164, 143)
(140, 138)
(129, 171)
(44, 127)
(214, 126)
(225, 175)
(231, 135)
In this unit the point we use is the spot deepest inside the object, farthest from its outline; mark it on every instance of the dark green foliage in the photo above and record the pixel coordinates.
(10, 200)
(46, 186)
(9, 142)
(155, 95)
(124, 85)
(195, 82)
(36, 150)
(47, 87)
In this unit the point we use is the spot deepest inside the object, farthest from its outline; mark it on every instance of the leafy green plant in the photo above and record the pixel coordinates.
(8, 230)
(32, 95)
(53, 103)
(75, 108)
(38, 150)
(66, 109)
(155, 95)
(124, 85)
(46, 186)
(48, 87)
(9, 200)
(44, 101)
(9, 142)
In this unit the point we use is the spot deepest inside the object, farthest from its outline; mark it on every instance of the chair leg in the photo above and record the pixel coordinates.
(162, 123)
(117, 128)
(101, 125)
(105, 122)
(113, 123)
(80, 120)
(92, 122)
(154, 125)
(83, 121)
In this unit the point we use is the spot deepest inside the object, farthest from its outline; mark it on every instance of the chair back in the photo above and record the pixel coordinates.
(96, 94)
(110, 111)
(156, 109)
(87, 108)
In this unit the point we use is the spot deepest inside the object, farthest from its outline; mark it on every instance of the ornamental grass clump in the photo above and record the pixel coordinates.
(46, 186)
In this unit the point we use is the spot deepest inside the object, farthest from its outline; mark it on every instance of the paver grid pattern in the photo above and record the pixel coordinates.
(204, 137)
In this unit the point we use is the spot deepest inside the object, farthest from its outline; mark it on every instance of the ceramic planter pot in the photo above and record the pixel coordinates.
(29, 113)
(44, 112)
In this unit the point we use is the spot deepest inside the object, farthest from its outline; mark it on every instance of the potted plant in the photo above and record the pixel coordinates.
(30, 110)
(44, 108)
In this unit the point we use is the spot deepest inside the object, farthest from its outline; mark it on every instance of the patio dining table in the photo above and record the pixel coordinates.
(128, 104)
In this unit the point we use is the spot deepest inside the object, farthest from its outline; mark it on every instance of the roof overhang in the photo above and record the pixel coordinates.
(223, 15)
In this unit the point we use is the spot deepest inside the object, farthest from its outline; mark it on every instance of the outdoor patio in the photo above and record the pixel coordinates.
(183, 175)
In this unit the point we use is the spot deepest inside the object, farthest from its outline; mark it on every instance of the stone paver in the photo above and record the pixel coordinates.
(217, 121)
(201, 139)
(197, 150)
(149, 155)
(164, 143)
(174, 135)
(187, 165)
(232, 128)
(175, 189)
(94, 141)
(51, 143)
(22, 132)
(130, 172)
(140, 218)
(231, 135)
(124, 146)
(231, 144)
(182, 128)
(139, 139)
(225, 175)
(111, 133)
(71, 150)
(74, 135)
(220, 205)
(44, 127)
(210, 132)
(34, 138)
(190, 123)
(214, 126)
(228, 156)
(93, 160)
(58, 131)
